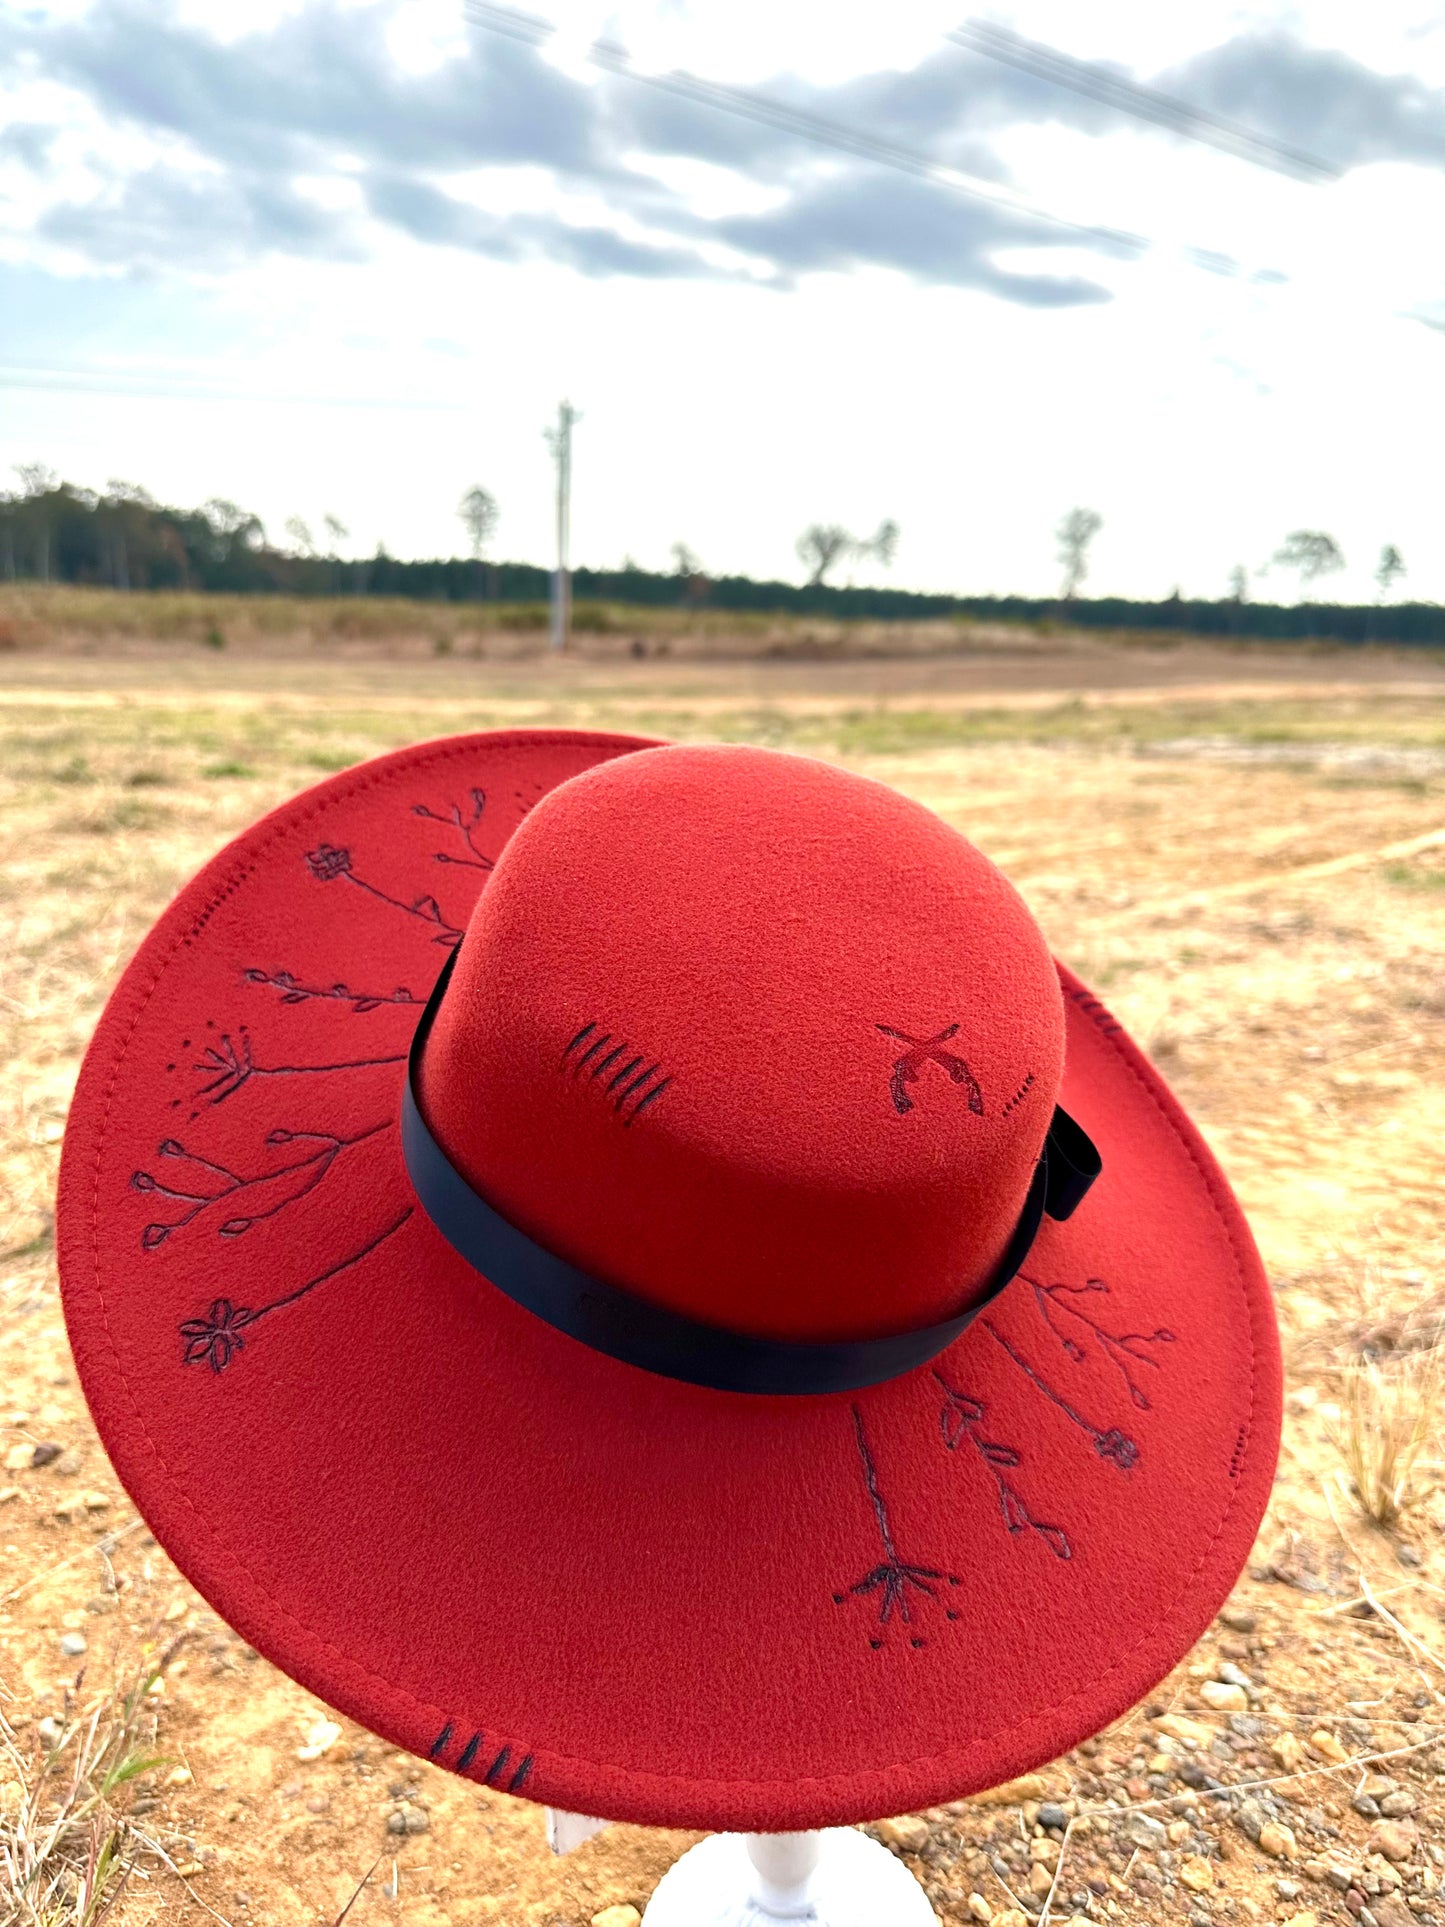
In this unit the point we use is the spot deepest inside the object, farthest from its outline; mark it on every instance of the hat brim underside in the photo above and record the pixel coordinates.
(551, 1572)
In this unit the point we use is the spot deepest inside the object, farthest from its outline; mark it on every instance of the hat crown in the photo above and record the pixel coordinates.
(756, 1039)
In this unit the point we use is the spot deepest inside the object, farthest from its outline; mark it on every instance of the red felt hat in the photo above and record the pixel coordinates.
(703, 1386)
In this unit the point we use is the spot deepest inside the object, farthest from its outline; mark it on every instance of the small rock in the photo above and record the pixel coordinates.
(67, 1462)
(1179, 1830)
(1196, 1873)
(1249, 1817)
(321, 1736)
(8, 1492)
(96, 1501)
(188, 1869)
(1051, 1814)
(179, 1776)
(19, 1458)
(1178, 1726)
(617, 1917)
(1362, 1803)
(318, 1803)
(1233, 1675)
(979, 1908)
(1392, 1838)
(1223, 1696)
(46, 1453)
(1142, 1830)
(73, 1645)
(50, 1730)
(1278, 1841)
(1407, 1556)
(1011, 1917)
(1041, 1879)
(1012, 1793)
(907, 1833)
(410, 1819)
(1287, 1889)
(1323, 1742)
(1238, 1619)
(1341, 1878)
(1303, 1919)
(1288, 1752)
(1396, 1805)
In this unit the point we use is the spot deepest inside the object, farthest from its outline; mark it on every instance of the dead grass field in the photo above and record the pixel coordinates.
(1244, 851)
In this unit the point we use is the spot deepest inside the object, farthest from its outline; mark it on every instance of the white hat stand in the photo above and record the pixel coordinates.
(836, 1878)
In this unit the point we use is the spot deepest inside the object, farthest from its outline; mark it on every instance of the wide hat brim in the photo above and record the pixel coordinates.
(550, 1571)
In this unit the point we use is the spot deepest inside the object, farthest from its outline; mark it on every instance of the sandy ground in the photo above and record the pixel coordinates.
(1244, 853)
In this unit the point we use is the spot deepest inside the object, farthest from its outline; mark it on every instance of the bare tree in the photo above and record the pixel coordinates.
(336, 530)
(299, 531)
(882, 544)
(1239, 583)
(479, 516)
(685, 561)
(232, 527)
(36, 482)
(1391, 568)
(820, 546)
(1311, 553)
(1074, 535)
(126, 508)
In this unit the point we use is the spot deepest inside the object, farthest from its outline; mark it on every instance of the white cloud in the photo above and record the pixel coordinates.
(344, 202)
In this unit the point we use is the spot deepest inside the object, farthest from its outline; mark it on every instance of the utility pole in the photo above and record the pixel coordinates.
(559, 439)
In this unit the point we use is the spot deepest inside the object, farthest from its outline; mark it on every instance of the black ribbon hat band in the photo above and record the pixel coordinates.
(640, 1333)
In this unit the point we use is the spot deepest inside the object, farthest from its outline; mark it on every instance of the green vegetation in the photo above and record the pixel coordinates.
(53, 532)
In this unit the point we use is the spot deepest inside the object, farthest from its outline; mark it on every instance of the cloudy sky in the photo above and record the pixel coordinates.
(347, 255)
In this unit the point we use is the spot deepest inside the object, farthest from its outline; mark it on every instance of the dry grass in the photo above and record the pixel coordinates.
(1298, 1012)
(69, 1842)
(1391, 1414)
(37, 616)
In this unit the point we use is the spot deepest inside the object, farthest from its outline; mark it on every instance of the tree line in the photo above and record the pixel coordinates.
(121, 537)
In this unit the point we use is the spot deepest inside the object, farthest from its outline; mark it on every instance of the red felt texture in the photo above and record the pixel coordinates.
(548, 1570)
(779, 940)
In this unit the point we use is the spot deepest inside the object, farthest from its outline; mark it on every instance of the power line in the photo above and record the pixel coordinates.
(769, 111)
(1144, 103)
(144, 387)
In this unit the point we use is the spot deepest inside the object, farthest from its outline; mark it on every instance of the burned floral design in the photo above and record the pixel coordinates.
(1113, 1446)
(228, 1065)
(215, 1339)
(204, 1183)
(329, 864)
(465, 827)
(901, 1585)
(1128, 1352)
(962, 1419)
(293, 991)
